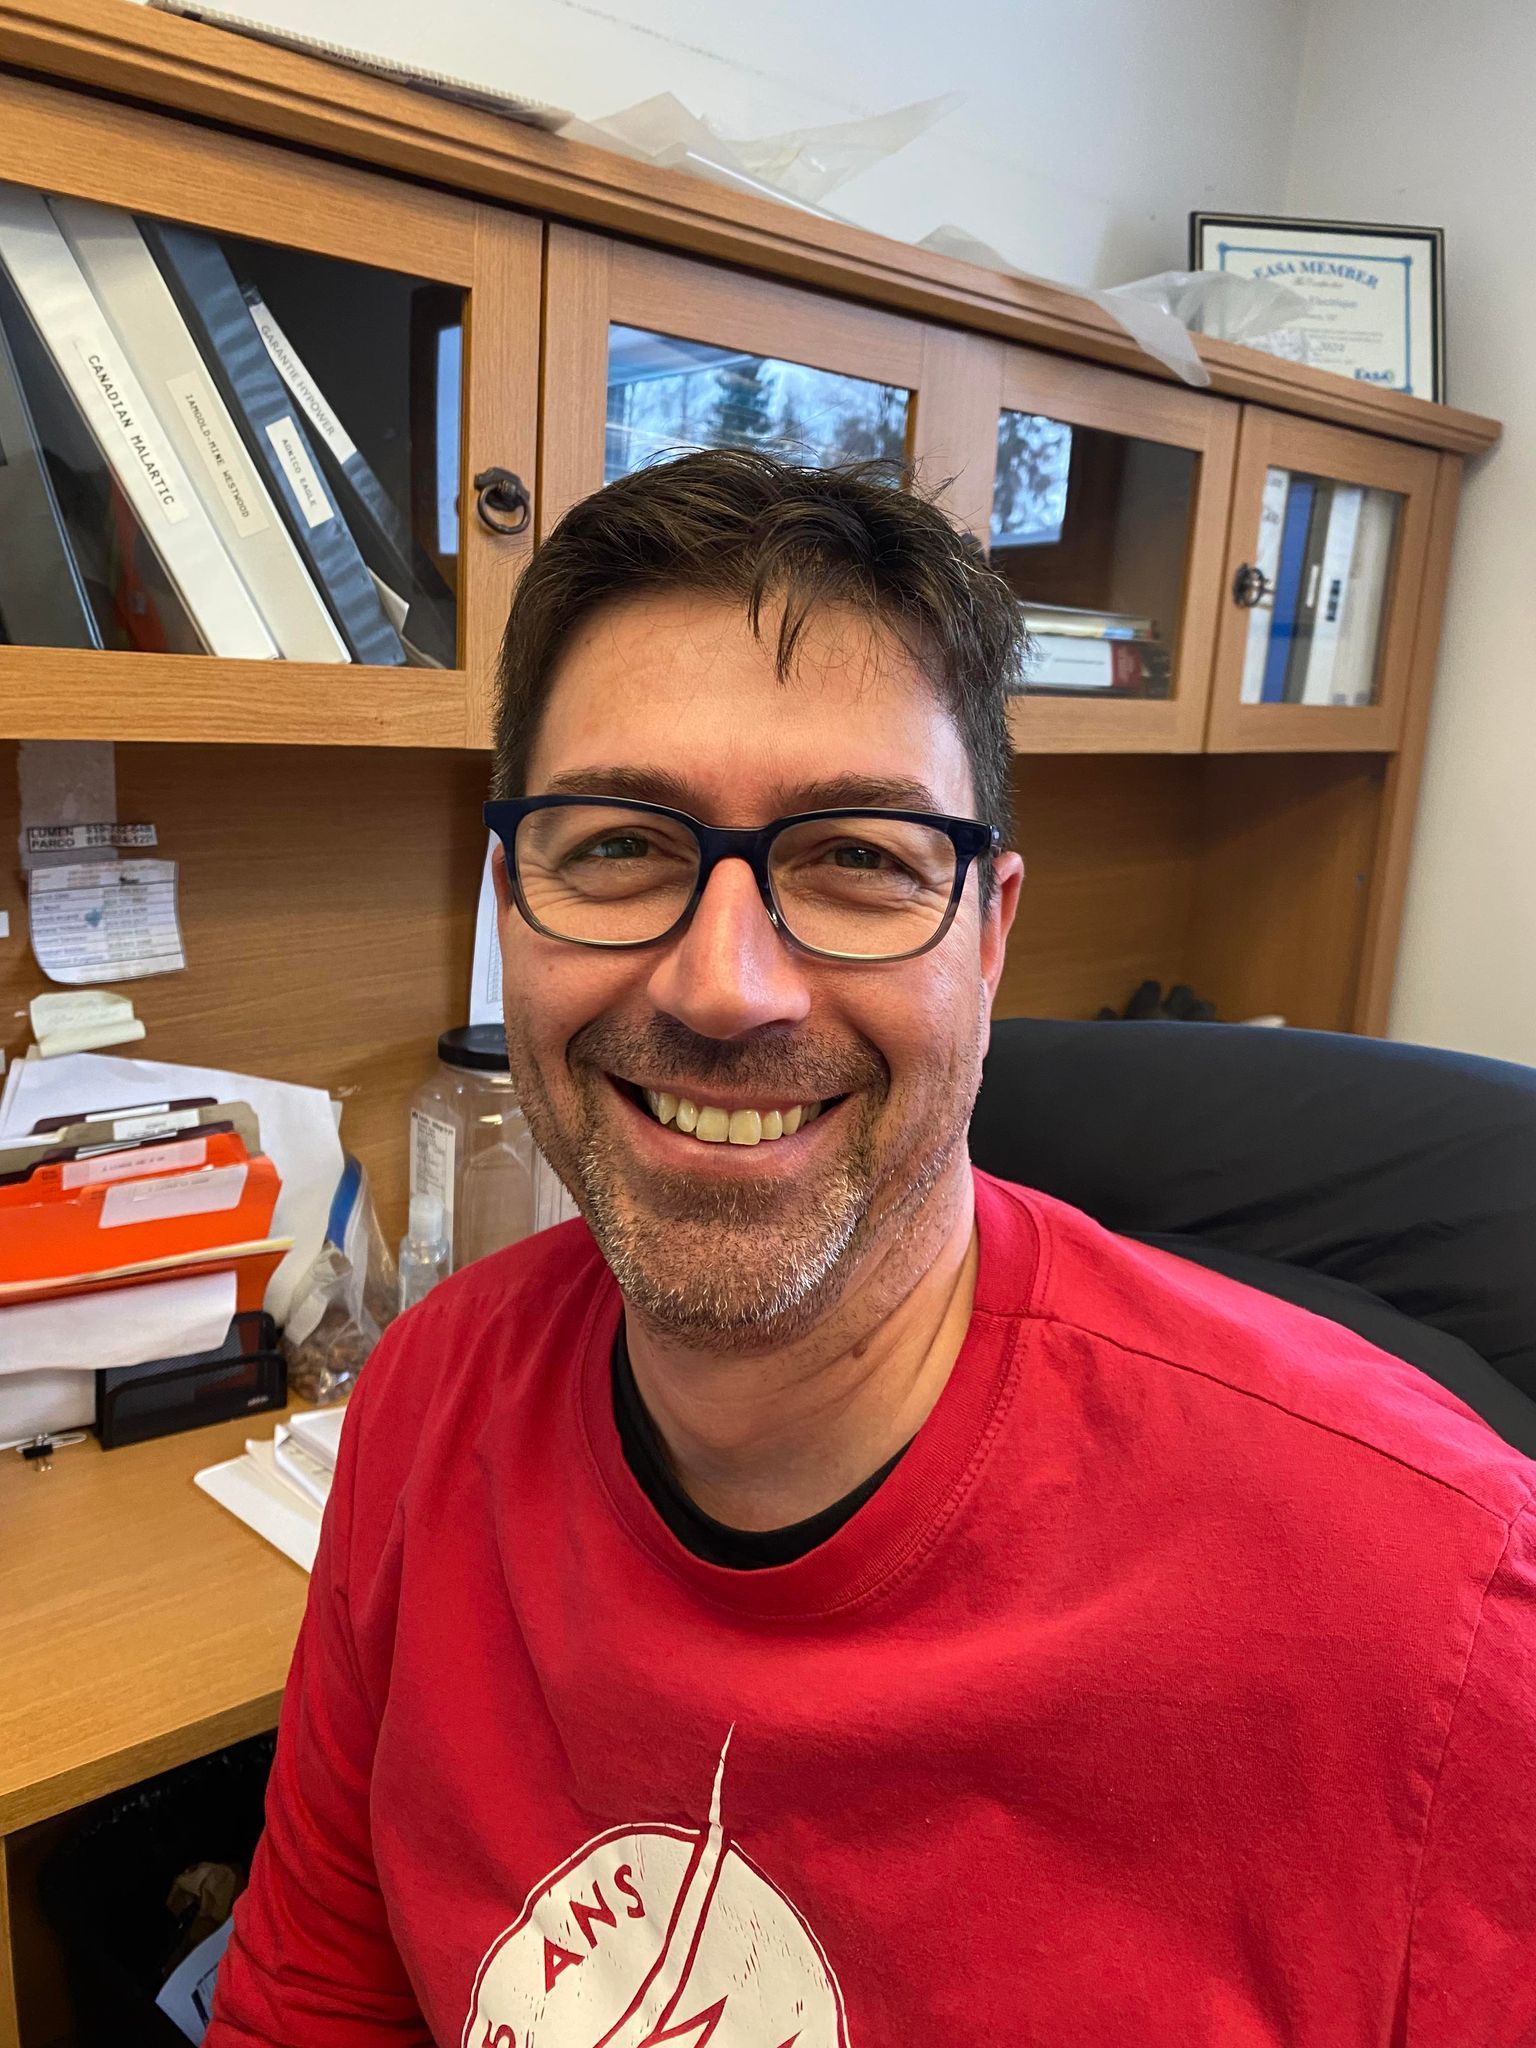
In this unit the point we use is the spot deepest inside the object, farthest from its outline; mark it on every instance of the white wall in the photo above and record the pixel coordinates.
(1413, 111)
(1089, 131)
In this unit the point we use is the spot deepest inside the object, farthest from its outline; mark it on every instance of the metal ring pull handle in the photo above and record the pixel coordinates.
(502, 500)
(1250, 586)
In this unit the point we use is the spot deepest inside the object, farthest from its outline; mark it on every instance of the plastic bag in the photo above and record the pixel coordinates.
(1150, 326)
(1255, 311)
(347, 1299)
(802, 166)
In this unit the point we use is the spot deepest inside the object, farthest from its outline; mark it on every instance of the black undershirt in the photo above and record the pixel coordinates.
(743, 1550)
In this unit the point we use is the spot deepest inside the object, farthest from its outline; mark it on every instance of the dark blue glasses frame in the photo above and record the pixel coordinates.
(971, 840)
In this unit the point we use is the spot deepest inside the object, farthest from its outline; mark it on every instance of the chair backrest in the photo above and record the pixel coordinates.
(1407, 1172)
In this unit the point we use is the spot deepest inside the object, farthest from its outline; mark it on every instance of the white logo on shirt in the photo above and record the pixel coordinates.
(657, 1934)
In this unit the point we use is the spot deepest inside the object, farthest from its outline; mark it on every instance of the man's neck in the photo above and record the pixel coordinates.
(760, 1440)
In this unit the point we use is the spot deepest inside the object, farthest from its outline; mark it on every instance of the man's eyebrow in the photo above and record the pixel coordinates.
(829, 793)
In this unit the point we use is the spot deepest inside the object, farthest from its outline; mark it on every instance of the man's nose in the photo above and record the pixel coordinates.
(730, 972)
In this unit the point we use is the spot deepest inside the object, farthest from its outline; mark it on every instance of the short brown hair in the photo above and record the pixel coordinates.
(740, 525)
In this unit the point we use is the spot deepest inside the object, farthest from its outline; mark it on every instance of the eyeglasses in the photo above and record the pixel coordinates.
(844, 885)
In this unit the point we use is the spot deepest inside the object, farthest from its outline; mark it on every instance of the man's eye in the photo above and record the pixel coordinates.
(616, 846)
(870, 859)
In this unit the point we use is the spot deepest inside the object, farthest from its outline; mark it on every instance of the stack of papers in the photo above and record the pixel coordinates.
(279, 1488)
(141, 1206)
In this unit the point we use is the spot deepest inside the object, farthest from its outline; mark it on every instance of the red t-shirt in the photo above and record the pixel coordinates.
(1178, 1687)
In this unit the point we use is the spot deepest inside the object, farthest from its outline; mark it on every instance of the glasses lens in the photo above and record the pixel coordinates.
(869, 887)
(603, 873)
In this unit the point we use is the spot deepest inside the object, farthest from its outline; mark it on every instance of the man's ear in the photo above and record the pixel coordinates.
(997, 923)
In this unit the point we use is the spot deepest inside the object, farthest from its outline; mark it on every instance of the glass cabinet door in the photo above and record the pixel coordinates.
(650, 355)
(1107, 493)
(233, 423)
(1329, 531)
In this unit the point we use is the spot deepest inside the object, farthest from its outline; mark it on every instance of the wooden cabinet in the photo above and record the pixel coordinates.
(360, 262)
(1329, 537)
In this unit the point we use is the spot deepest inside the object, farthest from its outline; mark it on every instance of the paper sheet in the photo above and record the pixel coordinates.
(298, 1132)
(485, 975)
(106, 920)
(250, 1488)
(63, 782)
(122, 1326)
(186, 1996)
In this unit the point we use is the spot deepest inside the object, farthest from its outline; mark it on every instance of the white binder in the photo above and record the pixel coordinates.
(127, 428)
(137, 301)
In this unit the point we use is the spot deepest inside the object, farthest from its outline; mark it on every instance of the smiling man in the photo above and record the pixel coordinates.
(827, 1598)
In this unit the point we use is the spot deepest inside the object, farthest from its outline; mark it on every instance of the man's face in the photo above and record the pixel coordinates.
(725, 1245)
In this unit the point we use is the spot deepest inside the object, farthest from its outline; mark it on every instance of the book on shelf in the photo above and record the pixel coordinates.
(209, 297)
(1308, 591)
(407, 580)
(149, 326)
(126, 427)
(1068, 621)
(1126, 668)
(1288, 581)
(43, 598)
(1266, 560)
(131, 597)
(1353, 681)
(1333, 594)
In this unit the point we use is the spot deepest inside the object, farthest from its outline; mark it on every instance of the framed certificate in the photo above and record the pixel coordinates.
(1375, 295)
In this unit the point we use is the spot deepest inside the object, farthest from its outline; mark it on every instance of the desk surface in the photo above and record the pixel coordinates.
(141, 1624)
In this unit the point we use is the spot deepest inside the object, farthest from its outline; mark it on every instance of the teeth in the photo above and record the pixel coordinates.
(717, 1126)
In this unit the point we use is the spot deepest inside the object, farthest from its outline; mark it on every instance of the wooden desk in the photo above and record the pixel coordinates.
(140, 1626)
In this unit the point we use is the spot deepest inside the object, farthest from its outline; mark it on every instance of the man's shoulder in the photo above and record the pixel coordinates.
(1242, 1367)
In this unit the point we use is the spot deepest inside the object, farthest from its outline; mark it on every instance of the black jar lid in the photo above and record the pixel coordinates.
(480, 1047)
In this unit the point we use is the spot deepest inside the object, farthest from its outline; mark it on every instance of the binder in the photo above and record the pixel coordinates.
(137, 302)
(1293, 548)
(1267, 561)
(43, 598)
(1333, 592)
(382, 534)
(126, 428)
(204, 287)
(1354, 674)
(1308, 593)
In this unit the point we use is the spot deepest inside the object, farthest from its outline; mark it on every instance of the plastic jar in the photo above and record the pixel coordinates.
(471, 1147)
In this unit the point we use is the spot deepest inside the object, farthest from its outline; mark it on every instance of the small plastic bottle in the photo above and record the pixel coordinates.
(423, 1249)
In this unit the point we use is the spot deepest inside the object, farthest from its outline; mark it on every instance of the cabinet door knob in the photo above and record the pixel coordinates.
(1249, 586)
(501, 499)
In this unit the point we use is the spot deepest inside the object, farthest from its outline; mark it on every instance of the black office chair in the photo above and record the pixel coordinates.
(1389, 1187)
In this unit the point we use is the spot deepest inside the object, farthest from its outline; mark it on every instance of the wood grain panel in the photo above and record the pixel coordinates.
(155, 1627)
(327, 904)
(954, 433)
(501, 431)
(1404, 772)
(1111, 848)
(192, 68)
(1283, 884)
(61, 142)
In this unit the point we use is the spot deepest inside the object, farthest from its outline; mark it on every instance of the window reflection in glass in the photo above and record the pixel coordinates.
(666, 396)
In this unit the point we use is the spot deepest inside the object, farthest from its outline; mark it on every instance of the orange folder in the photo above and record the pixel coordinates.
(161, 1204)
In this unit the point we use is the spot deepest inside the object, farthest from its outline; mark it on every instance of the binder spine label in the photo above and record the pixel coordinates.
(218, 443)
(117, 399)
(300, 383)
(313, 502)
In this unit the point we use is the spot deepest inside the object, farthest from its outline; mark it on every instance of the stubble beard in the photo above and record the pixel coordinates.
(743, 1268)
